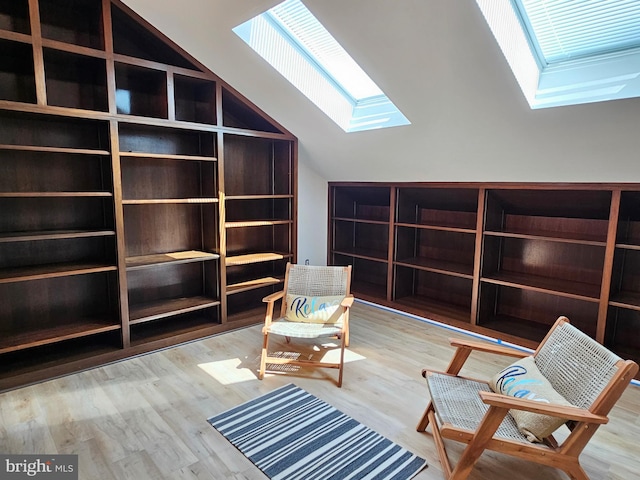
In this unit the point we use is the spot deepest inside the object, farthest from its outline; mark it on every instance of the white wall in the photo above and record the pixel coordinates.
(312, 215)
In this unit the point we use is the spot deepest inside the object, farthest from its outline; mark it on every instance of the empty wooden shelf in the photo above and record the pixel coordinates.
(144, 261)
(255, 258)
(9, 275)
(75, 81)
(252, 284)
(162, 309)
(75, 22)
(195, 99)
(52, 235)
(58, 333)
(127, 172)
(17, 77)
(504, 260)
(141, 91)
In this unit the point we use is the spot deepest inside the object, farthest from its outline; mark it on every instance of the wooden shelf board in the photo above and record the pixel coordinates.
(36, 369)
(256, 258)
(131, 119)
(361, 220)
(257, 223)
(158, 201)
(257, 197)
(53, 194)
(443, 228)
(436, 308)
(15, 36)
(579, 291)
(253, 284)
(52, 235)
(72, 48)
(166, 156)
(247, 317)
(367, 254)
(166, 308)
(150, 121)
(563, 237)
(22, 274)
(44, 336)
(170, 331)
(627, 246)
(144, 261)
(36, 148)
(438, 266)
(626, 299)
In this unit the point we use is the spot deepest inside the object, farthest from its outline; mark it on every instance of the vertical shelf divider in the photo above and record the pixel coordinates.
(107, 27)
(608, 266)
(391, 249)
(171, 95)
(477, 261)
(120, 238)
(38, 53)
(222, 231)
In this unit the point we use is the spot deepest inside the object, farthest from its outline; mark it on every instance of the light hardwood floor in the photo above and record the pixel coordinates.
(145, 418)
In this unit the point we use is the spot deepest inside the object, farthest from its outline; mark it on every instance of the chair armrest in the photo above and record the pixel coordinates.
(273, 297)
(465, 347)
(487, 347)
(347, 301)
(555, 410)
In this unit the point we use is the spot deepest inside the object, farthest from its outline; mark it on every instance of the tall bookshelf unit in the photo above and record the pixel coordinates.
(143, 202)
(500, 259)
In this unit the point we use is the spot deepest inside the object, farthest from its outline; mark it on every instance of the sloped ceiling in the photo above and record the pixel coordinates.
(438, 62)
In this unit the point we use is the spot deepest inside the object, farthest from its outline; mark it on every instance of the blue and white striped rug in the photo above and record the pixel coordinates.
(290, 434)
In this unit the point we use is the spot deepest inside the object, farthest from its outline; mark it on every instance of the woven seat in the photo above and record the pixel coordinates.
(286, 328)
(457, 402)
(584, 374)
(309, 281)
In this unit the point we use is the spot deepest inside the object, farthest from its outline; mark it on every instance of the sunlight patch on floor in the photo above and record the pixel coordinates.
(228, 372)
(333, 356)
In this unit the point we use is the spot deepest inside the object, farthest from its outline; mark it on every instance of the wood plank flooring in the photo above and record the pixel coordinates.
(145, 418)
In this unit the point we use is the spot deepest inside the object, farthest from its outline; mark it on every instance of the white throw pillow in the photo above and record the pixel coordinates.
(325, 309)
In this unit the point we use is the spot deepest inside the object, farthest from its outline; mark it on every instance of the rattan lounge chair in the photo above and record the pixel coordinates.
(309, 282)
(586, 374)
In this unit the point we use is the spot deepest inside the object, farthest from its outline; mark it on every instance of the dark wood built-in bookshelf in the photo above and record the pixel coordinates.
(501, 259)
(143, 201)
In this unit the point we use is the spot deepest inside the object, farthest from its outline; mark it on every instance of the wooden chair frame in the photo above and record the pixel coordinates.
(341, 333)
(583, 423)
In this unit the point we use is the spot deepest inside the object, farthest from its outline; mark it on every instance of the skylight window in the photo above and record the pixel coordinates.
(296, 44)
(565, 53)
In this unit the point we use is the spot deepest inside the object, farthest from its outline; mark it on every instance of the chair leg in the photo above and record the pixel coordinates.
(576, 472)
(490, 423)
(263, 357)
(424, 421)
(342, 345)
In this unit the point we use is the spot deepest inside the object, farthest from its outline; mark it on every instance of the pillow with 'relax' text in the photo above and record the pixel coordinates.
(522, 379)
(324, 309)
